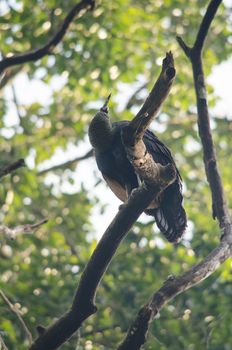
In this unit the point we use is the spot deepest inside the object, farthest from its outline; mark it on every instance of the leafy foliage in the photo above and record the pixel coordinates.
(116, 48)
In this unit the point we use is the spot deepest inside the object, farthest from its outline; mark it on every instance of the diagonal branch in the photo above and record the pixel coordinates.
(47, 48)
(137, 333)
(158, 93)
(134, 99)
(67, 164)
(84, 300)
(8, 169)
(2, 344)
(12, 233)
(205, 24)
(83, 303)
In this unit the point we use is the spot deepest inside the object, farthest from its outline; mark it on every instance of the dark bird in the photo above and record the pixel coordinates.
(119, 174)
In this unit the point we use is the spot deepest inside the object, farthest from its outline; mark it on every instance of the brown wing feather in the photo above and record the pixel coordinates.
(116, 188)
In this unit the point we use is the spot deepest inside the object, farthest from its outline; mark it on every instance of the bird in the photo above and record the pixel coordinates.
(119, 174)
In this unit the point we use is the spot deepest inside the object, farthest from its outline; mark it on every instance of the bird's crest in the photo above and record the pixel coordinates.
(104, 108)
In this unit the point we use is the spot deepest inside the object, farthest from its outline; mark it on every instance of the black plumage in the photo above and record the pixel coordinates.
(118, 172)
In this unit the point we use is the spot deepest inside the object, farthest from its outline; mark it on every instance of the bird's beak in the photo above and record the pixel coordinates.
(105, 106)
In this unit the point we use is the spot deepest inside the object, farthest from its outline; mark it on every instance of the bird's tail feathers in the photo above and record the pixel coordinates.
(170, 218)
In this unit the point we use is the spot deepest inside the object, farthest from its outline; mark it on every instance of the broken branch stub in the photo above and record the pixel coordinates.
(152, 173)
(158, 93)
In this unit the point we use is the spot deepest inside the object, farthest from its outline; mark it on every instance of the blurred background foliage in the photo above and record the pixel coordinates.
(119, 48)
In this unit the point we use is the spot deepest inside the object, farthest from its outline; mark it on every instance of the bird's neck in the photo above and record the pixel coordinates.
(101, 133)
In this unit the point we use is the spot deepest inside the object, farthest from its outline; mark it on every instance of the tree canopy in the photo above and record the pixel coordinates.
(118, 47)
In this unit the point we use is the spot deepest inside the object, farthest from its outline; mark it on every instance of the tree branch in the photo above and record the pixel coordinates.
(11, 233)
(134, 97)
(47, 48)
(18, 315)
(67, 164)
(205, 24)
(83, 303)
(2, 344)
(137, 333)
(158, 93)
(84, 300)
(212, 172)
(8, 169)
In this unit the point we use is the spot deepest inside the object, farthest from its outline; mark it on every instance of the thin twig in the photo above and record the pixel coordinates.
(12, 233)
(68, 164)
(134, 97)
(18, 315)
(49, 47)
(8, 169)
(15, 99)
(2, 344)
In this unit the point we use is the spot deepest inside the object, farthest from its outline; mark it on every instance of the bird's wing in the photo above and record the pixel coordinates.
(116, 188)
(159, 151)
(170, 217)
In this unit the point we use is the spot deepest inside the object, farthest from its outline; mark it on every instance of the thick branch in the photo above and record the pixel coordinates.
(67, 164)
(156, 179)
(83, 303)
(210, 162)
(141, 160)
(8, 169)
(137, 333)
(47, 48)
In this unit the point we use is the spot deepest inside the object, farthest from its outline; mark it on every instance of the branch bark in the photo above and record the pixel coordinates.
(47, 48)
(156, 180)
(158, 93)
(8, 169)
(220, 208)
(83, 304)
(137, 333)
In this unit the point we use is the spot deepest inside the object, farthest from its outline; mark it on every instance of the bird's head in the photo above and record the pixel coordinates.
(100, 129)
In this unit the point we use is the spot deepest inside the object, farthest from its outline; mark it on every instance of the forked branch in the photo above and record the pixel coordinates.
(137, 333)
(220, 209)
(84, 301)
